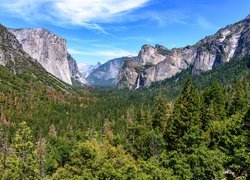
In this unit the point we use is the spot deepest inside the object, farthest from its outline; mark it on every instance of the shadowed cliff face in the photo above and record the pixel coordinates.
(158, 63)
(74, 72)
(51, 52)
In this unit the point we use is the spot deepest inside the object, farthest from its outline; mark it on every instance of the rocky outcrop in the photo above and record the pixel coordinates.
(129, 75)
(49, 50)
(150, 55)
(8, 43)
(106, 74)
(158, 63)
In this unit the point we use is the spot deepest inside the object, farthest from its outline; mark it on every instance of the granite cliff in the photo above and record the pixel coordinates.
(50, 51)
(19, 69)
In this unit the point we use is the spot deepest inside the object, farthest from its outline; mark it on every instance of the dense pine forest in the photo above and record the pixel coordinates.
(186, 127)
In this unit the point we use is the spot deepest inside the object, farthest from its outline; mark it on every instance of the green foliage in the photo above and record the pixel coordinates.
(185, 119)
(202, 133)
(26, 161)
(161, 112)
(22, 161)
(239, 102)
(213, 105)
(57, 154)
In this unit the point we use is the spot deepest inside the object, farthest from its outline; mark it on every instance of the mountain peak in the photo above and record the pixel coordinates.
(99, 63)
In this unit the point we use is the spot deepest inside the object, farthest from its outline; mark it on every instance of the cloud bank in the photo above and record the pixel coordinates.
(86, 13)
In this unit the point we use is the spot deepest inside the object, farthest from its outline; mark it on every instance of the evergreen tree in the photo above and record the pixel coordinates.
(214, 105)
(239, 102)
(246, 128)
(161, 112)
(154, 143)
(246, 145)
(186, 114)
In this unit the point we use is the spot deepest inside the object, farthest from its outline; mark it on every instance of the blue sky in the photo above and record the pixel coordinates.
(99, 30)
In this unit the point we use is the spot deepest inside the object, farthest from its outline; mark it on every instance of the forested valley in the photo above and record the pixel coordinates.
(181, 128)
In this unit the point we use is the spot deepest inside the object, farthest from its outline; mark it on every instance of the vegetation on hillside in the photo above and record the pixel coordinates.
(178, 129)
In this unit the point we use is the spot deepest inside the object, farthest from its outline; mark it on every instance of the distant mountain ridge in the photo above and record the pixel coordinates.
(158, 63)
(86, 69)
(153, 63)
(107, 73)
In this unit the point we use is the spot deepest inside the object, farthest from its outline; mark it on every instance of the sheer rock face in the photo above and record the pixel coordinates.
(12, 55)
(158, 63)
(16, 60)
(48, 49)
(128, 76)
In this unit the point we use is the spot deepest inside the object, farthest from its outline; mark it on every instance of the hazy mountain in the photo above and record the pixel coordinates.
(86, 69)
(106, 74)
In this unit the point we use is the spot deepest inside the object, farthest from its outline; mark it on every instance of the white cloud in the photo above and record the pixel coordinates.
(27, 9)
(87, 13)
(159, 18)
(78, 52)
(78, 11)
(104, 54)
(169, 17)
